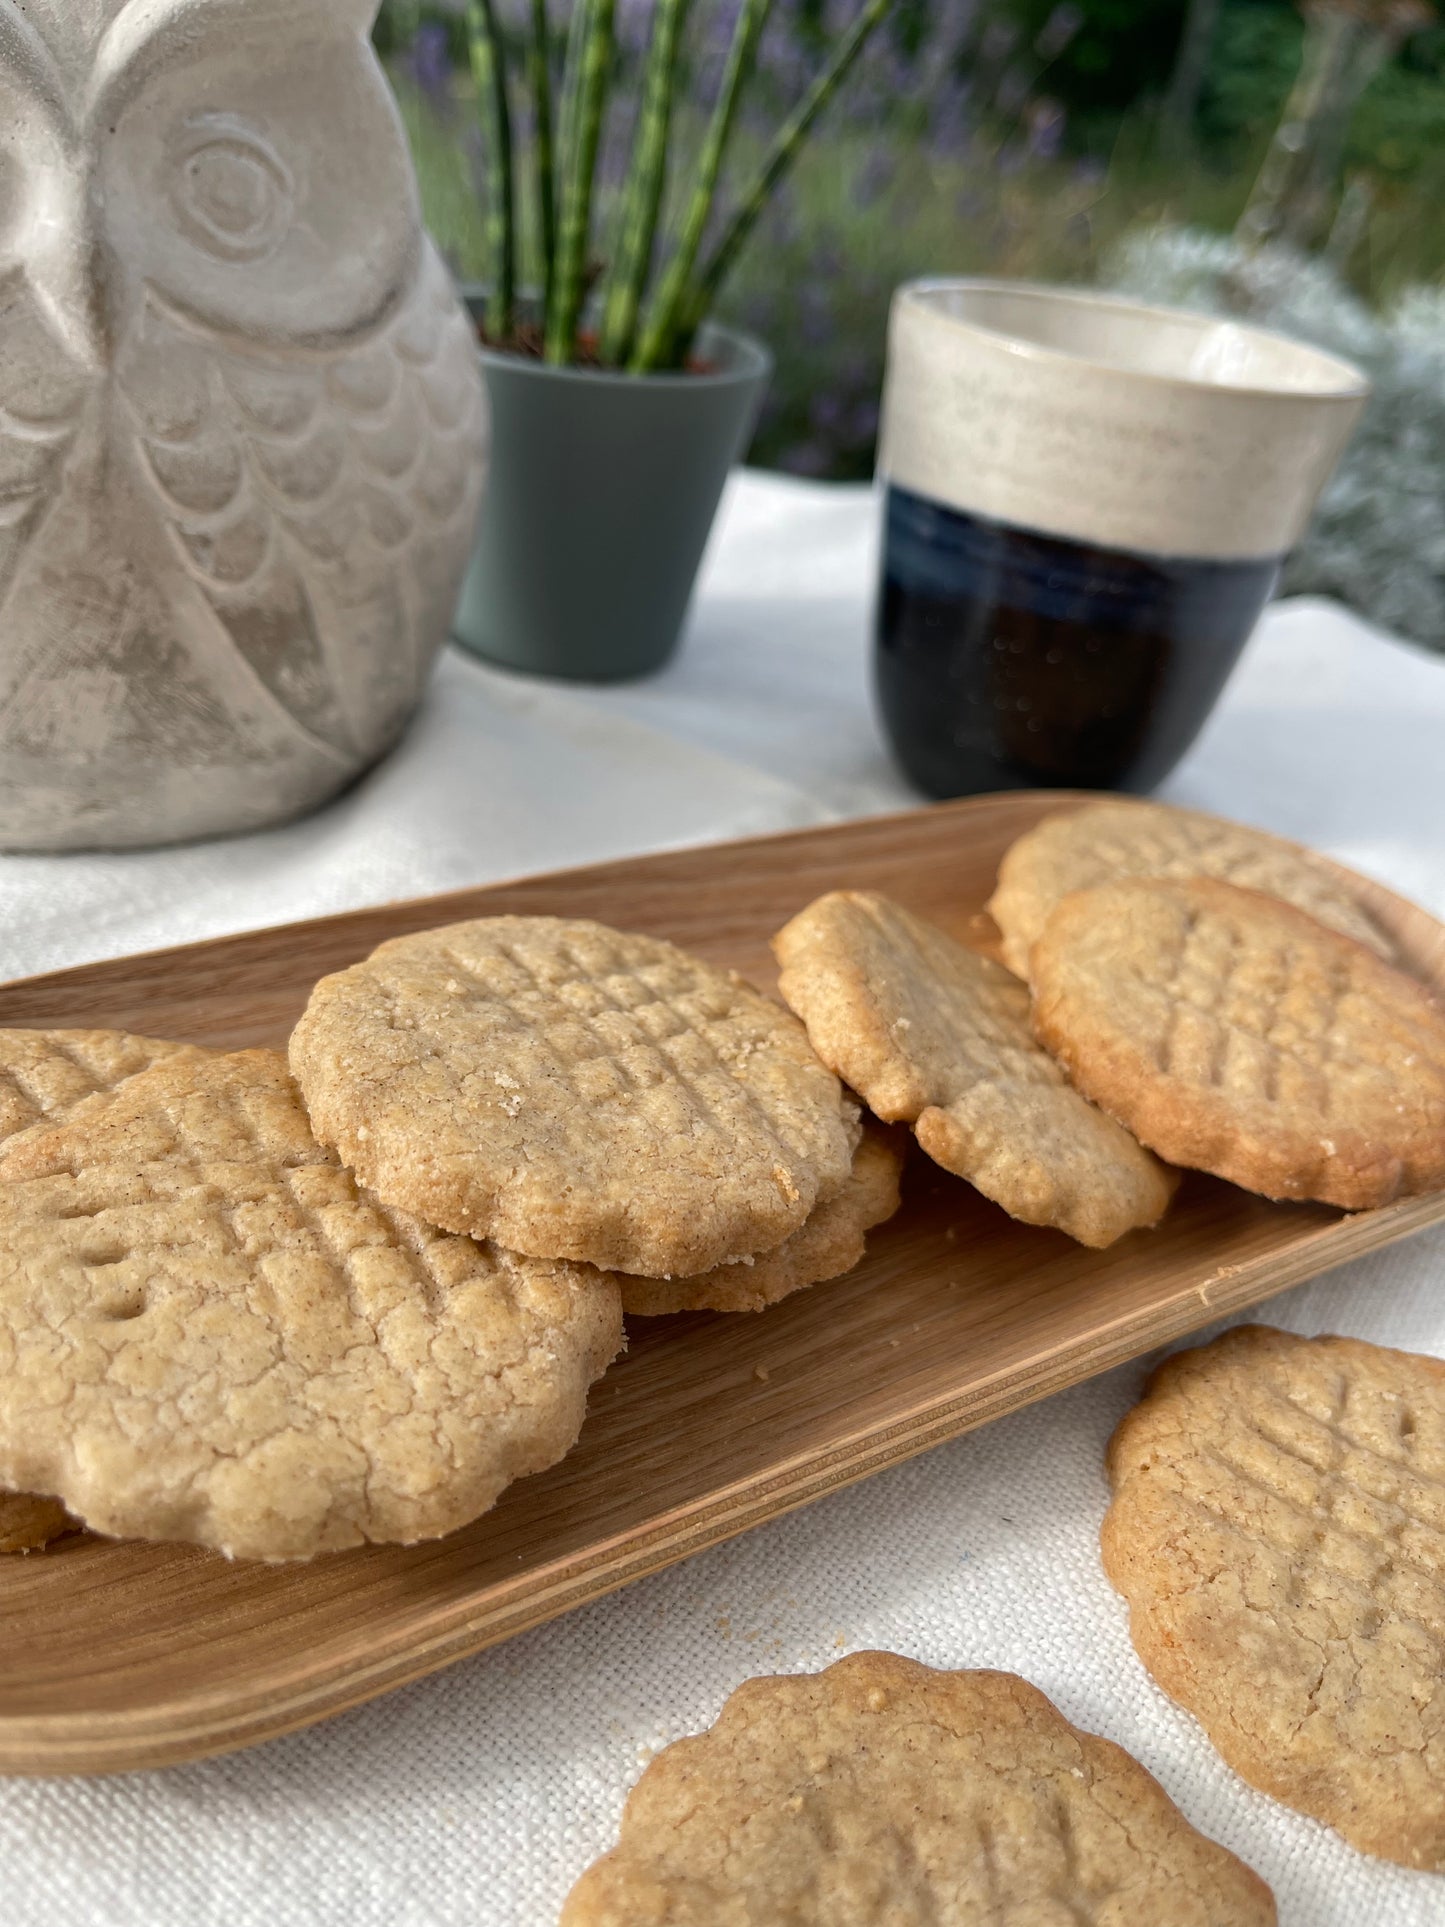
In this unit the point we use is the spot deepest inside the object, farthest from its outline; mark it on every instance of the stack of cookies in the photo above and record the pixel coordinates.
(281, 1314)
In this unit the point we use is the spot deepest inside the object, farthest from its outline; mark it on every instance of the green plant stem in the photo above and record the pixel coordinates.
(774, 165)
(647, 175)
(564, 139)
(540, 75)
(485, 50)
(574, 223)
(666, 315)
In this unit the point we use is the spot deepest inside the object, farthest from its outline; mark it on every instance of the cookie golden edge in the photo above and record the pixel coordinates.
(1020, 916)
(830, 1243)
(621, 1890)
(1343, 1167)
(1168, 1659)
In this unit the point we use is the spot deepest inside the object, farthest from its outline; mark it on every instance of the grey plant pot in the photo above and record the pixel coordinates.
(603, 489)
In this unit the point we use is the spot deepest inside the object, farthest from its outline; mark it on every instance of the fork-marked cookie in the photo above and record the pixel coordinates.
(574, 1092)
(209, 1333)
(1235, 1034)
(1278, 1529)
(880, 1793)
(1077, 849)
(929, 1033)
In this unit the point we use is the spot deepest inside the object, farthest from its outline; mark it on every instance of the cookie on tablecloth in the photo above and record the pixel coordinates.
(1235, 1034)
(574, 1092)
(1278, 1529)
(929, 1033)
(880, 1793)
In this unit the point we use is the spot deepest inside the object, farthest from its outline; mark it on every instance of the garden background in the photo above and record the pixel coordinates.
(1250, 156)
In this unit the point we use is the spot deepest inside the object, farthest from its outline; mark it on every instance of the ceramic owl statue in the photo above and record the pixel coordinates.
(242, 427)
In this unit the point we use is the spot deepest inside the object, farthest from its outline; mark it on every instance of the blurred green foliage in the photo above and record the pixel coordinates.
(1015, 137)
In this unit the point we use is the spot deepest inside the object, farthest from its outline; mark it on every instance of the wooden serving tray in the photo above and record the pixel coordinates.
(117, 1656)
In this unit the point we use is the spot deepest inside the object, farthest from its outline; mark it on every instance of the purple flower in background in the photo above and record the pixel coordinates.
(996, 43)
(874, 177)
(1045, 134)
(1013, 90)
(863, 423)
(1057, 31)
(632, 25)
(806, 458)
(430, 62)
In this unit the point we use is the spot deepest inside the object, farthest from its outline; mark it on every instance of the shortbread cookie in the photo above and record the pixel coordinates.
(1236, 1034)
(880, 1793)
(934, 1035)
(1104, 841)
(47, 1073)
(830, 1243)
(209, 1333)
(27, 1522)
(1278, 1529)
(575, 1093)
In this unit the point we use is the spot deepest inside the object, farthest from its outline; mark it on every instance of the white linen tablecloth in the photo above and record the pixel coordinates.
(479, 1795)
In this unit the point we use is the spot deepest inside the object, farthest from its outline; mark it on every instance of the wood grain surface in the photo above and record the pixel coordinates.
(115, 1656)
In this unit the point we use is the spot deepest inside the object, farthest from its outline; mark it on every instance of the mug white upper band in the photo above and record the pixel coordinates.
(1109, 422)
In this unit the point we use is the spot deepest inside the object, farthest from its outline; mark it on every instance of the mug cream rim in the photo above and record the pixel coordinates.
(1356, 383)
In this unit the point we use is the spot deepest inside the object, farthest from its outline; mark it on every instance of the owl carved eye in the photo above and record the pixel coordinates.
(232, 193)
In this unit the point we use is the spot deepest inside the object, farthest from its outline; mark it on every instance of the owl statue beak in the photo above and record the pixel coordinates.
(68, 273)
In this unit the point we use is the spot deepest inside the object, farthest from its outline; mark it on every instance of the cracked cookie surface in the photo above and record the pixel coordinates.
(931, 1034)
(828, 1244)
(1278, 1530)
(1235, 1034)
(881, 1793)
(1104, 841)
(208, 1332)
(45, 1075)
(574, 1092)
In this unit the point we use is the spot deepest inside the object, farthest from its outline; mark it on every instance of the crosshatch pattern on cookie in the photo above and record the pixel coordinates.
(1107, 841)
(46, 1073)
(566, 1088)
(1278, 1528)
(208, 1332)
(1233, 1032)
(883, 1790)
(929, 1033)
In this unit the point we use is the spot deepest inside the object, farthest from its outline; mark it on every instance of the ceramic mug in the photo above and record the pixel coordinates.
(1087, 503)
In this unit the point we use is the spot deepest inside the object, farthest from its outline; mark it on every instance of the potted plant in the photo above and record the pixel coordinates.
(618, 406)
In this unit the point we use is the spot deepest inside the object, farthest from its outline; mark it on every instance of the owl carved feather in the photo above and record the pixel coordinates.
(317, 493)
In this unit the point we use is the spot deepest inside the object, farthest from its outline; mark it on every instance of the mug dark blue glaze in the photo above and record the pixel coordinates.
(1087, 502)
(1007, 659)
